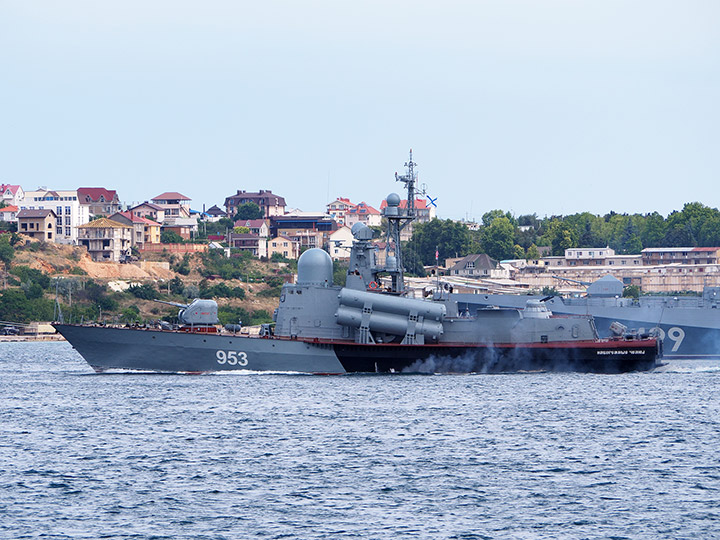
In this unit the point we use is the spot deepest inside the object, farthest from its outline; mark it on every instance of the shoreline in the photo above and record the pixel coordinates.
(42, 337)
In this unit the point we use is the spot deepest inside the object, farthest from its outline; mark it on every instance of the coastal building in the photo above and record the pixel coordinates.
(363, 213)
(477, 266)
(269, 203)
(307, 230)
(681, 255)
(260, 227)
(8, 214)
(339, 208)
(284, 246)
(248, 242)
(149, 210)
(176, 206)
(340, 243)
(215, 213)
(145, 231)
(184, 227)
(38, 223)
(70, 214)
(99, 201)
(11, 194)
(106, 240)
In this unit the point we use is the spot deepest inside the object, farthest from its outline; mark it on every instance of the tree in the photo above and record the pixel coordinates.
(248, 210)
(631, 291)
(631, 243)
(653, 230)
(498, 239)
(492, 215)
(170, 237)
(6, 250)
(532, 253)
(450, 238)
(561, 236)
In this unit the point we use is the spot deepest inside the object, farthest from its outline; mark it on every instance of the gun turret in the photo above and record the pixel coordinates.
(198, 312)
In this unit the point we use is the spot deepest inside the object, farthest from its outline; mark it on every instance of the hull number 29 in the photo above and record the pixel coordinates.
(232, 358)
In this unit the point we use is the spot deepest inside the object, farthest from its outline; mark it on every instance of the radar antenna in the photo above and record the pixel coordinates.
(398, 218)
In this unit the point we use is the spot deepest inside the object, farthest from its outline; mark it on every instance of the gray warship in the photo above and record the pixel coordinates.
(369, 325)
(688, 325)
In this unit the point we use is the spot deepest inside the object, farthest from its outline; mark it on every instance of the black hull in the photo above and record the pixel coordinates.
(607, 357)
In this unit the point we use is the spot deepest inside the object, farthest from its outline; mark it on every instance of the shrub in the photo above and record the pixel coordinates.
(145, 291)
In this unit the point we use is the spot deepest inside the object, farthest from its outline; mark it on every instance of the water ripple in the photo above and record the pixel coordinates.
(534, 456)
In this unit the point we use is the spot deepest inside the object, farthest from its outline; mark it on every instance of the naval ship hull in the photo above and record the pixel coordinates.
(117, 348)
(686, 332)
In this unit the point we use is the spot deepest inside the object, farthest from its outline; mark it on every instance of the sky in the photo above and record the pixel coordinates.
(528, 106)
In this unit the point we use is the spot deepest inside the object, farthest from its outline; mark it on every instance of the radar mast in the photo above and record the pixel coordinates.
(398, 218)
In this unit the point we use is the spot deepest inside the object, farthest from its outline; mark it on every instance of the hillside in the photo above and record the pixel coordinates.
(245, 288)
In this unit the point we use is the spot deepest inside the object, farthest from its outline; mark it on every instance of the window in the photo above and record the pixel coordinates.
(58, 210)
(67, 231)
(67, 220)
(67, 209)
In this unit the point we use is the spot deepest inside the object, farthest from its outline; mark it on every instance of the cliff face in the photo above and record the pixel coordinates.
(59, 260)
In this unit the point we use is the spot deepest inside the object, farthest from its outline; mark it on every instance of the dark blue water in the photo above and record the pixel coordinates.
(530, 456)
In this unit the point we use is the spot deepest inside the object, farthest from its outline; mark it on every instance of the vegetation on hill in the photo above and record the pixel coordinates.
(245, 288)
(504, 236)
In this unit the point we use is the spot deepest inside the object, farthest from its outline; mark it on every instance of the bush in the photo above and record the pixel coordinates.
(31, 275)
(145, 291)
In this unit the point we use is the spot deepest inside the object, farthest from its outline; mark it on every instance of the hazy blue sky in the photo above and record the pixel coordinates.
(555, 106)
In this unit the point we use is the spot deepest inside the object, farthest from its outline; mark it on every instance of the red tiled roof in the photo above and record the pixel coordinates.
(12, 187)
(171, 195)
(10, 208)
(136, 219)
(363, 208)
(95, 194)
(420, 204)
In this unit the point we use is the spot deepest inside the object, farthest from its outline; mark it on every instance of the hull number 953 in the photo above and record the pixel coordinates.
(232, 358)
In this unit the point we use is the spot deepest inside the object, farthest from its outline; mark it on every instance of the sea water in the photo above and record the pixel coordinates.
(527, 456)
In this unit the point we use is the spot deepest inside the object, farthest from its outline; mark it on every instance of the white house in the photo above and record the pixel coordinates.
(70, 213)
(340, 243)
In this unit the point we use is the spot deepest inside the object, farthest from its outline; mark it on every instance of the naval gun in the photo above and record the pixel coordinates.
(199, 312)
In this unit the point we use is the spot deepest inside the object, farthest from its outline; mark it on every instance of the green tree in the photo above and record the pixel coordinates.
(170, 237)
(561, 236)
(498, 239)
(248, 210)
(653, 230)
(145, 291)
(451, 239)
(631, 243)
(631, 291)
(7, 252)
(532, 253)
